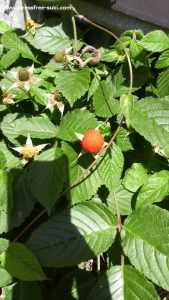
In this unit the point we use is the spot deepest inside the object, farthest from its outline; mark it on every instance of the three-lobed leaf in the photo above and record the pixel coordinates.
(73, 85)
(11, 41)
(76, 121)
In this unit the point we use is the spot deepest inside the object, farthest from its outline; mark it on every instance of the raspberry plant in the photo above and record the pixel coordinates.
(83, 226)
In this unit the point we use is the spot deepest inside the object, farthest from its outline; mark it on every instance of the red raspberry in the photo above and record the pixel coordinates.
(92, 141)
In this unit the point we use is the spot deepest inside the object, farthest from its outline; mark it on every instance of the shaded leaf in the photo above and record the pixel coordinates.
(162, 83)
(47, 176)
(75, 235)
(21, 263)
(123, 283)
(75, 285)
(163, 60)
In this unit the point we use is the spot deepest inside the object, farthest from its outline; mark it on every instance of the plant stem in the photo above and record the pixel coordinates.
(24, 11)
(119, 223)
(81, 17)
(75, 52)
(29, 225)
(98, 265)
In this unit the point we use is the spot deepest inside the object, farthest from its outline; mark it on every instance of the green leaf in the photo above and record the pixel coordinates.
(3, 245)
(135, 177)
(123, 283)
(39, 95)
(75, 235)
(93, 86)
(111, 166)
(4, 27)
(87, 186)
(121, 195)
(24, 201)
(151, 119)
(27, 290)
(155, 41)
(79, 121)
(117, 83)
(37, 127)
(127, 105)
(73, 85)
(162, 83)
(136, 49)
(11, 160)
(123, 140)
(3, 161)
(163, 60)
(104, 103)
(75, 285)
(111, 56)
(21, 263)
(7, 291)
(51, 39)
(155, 189)
(5, 277)
(11, 41)
(5, 183)
(145, 241)
(9, 58)
(6, 200)
(1, 50)
(47, 176)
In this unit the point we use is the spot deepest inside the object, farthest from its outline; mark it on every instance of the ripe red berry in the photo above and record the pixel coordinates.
(92, 141)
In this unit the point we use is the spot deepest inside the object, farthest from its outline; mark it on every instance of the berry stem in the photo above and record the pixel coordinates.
(75, 52)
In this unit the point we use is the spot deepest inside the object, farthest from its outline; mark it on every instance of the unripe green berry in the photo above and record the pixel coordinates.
(23, 74)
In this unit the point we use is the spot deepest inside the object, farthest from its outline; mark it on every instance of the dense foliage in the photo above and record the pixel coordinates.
(76, 225)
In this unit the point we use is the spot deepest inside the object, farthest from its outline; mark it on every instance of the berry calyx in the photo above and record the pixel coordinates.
(23, 74)
(28, 152)
(92, 141)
